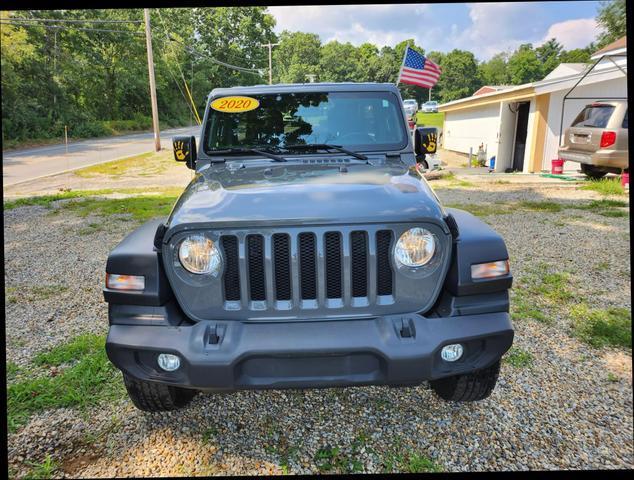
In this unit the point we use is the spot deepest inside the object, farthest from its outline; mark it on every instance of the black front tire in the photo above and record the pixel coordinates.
(469, 387)
(592, 172)
(156, 397)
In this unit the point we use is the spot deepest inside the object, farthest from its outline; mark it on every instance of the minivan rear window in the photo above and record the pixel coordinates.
(594, 116)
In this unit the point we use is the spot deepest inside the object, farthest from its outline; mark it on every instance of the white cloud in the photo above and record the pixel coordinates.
(378, 24)
(497, 27)
(573, 33)
(490, 28)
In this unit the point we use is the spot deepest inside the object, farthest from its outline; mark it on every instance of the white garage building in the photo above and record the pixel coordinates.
(520, 125)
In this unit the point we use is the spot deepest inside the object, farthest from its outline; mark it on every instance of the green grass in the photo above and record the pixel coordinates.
(12, 371)
(605, 186)
(418, 464)
(522, 308)
(602, 327)
(429, 119)
(82, 345)
(89, 381)
(612, 377)
(518, 358)
(151, 163)
(27, 293)
(43, 200)
(47, 200)
(328, 459)
(482, 209)
(541, 206)
(605, 207)
(397, 459)
(43, 470)
(139, 208)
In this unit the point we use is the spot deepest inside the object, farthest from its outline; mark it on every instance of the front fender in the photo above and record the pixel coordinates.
(136, 255)
(474, 242)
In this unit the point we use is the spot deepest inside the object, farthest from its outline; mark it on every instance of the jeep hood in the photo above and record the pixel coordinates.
(237, 195)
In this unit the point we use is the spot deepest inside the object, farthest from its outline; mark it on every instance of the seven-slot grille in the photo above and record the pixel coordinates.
(308, 269)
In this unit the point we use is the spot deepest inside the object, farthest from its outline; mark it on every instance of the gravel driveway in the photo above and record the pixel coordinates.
(559, 404)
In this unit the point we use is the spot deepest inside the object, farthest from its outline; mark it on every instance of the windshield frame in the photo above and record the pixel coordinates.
(369, 148)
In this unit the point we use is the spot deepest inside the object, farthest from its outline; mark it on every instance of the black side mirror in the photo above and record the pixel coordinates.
(185, 150)
(425, 140)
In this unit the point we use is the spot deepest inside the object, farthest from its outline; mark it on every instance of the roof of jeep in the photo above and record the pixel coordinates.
(305, 87)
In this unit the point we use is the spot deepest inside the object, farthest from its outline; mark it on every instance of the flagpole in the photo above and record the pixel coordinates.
(400, 70)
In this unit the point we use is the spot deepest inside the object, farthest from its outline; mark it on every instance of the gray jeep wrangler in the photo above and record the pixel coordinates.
(306, 252)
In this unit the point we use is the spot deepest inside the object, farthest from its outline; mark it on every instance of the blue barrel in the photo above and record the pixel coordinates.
(492, 163)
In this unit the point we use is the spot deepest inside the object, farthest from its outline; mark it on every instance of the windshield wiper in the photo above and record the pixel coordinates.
(325, 146)
(264, 153)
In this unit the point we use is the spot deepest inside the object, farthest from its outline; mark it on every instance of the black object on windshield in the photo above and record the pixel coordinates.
(325, 146)
(225, 151)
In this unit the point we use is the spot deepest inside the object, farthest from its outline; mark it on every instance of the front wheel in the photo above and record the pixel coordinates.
(156, 397)
(592, 172)
(469, 387)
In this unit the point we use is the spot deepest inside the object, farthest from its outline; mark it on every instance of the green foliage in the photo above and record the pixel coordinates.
(43, 470)
(605, 186)
(89, 381)
(12, 371)
(79, 346)
(459, 77)
(541, 206)
(602, 327)
(605, 207)
(518, 358)
(495, 72)
(525, 66)
(139, 208)
(611, 17)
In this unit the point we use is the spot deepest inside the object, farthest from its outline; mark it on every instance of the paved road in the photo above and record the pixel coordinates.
(22, 165)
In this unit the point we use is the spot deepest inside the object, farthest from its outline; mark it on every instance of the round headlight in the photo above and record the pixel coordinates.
(199, 254)
(415, 248)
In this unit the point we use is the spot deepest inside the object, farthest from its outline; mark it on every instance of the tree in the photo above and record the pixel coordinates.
(297, 55)
(339, 63)
(611, 17)
(524, 66)
(577, 55)
(549, 54)
(495, 71)
(459, 76)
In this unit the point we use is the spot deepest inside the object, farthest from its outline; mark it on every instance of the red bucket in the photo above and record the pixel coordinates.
(625, 179)
(557, 166)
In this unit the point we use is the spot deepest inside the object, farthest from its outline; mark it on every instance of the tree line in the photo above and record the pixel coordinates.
(87, 69)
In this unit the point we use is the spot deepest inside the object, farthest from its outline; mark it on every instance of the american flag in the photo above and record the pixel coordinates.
(418, 70)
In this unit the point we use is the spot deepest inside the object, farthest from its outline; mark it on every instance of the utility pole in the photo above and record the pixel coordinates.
(150, 66)
(270, 46)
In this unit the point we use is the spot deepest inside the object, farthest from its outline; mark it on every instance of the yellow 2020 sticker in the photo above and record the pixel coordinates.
(235, 104)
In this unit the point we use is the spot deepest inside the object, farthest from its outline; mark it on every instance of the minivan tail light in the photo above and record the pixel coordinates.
(607, 139)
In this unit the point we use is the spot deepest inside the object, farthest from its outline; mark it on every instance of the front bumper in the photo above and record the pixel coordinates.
(309, 354)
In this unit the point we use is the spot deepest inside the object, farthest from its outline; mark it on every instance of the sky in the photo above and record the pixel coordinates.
(482, 28)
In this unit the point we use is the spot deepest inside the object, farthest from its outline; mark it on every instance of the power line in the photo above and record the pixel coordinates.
(69, 21)
(52, 27)
(212, 59)
(179, 67)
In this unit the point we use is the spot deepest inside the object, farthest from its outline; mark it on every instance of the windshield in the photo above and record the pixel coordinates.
(367, 121)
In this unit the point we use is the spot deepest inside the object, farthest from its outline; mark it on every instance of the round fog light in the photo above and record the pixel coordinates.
(169, 362)
(451, 353)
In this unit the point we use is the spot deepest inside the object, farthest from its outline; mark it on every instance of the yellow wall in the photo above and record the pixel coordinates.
(538, 137)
